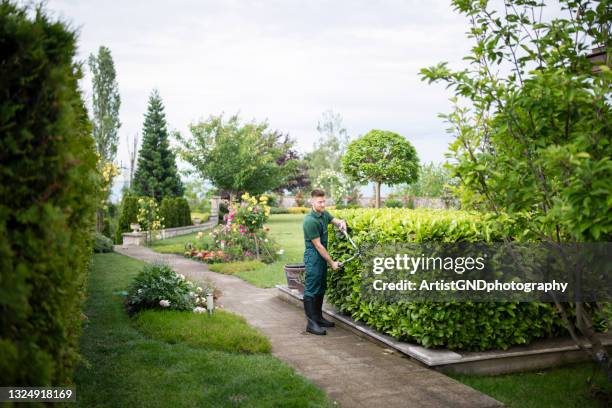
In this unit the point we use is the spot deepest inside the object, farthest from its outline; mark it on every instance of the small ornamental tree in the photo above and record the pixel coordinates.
(381, 157)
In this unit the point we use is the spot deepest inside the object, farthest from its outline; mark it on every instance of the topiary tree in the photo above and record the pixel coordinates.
(48, 195)
(156, 174)
(381, 157)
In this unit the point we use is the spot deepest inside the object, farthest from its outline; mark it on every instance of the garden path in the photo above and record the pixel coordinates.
(353, 371)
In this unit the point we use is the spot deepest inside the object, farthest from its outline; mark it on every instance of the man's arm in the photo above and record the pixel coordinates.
(323, 252)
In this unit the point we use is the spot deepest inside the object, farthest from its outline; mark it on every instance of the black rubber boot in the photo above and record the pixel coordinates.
(309, 308)
(318, 300)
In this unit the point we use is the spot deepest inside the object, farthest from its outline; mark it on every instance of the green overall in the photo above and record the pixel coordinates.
(315, 226)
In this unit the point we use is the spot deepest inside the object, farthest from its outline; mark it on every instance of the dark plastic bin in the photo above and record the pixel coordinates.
(295, 276)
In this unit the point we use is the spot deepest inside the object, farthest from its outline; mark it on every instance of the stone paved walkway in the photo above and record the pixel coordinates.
(353, 371)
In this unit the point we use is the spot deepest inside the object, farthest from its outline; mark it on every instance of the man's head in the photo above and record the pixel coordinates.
(317, 199)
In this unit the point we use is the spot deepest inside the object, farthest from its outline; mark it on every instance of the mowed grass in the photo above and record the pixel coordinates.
(554, 388)
(175, 245)
(286, 229)
(222, 331)
(125, 367)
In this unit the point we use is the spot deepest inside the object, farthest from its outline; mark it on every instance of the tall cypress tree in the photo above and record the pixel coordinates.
(156, 174)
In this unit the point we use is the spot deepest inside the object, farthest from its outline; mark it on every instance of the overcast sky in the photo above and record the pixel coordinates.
(284, 61)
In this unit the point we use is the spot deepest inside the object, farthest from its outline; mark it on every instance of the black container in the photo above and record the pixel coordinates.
(295, 276)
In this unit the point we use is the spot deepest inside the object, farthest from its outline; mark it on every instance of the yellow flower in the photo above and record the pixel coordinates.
(245, 196)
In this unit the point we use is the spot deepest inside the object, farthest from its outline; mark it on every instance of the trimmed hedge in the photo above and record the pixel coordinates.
(464, 326)
(175, 211)
(48, 196)
(128, 214)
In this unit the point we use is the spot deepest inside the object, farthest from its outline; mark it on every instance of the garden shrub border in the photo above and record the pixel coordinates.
(462, 326)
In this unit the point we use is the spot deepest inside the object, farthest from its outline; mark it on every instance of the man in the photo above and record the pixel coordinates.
(316, 259)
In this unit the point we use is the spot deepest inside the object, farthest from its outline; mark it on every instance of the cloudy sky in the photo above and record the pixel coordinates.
(284, 61)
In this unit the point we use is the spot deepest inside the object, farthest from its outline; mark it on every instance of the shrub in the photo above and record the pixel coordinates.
(157, 286)
(48, 195)
(393, 203)
(128, 214)
(184, 212)
(298, 210)
(167, 210)
(469, 326)
(102, 243)
(347, 206)
(279, 210)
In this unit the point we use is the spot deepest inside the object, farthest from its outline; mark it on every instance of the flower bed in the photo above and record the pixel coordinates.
(241, 237)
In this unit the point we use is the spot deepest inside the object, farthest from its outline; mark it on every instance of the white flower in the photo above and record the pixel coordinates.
(199, 289)
(191, 294)
(164, 303)
(199, 309)
(189, 283)
(266, 240)
(139, 291)
(281, 251)
(200, 235)
(181, 276)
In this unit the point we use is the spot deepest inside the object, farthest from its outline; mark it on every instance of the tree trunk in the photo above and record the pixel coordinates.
(377, 193)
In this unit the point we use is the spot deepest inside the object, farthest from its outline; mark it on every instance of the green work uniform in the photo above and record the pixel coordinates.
(315, 226)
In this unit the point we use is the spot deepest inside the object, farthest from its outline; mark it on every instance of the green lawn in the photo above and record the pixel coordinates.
(175, 245)
(160, 367)
(286, 229)
(555, 388)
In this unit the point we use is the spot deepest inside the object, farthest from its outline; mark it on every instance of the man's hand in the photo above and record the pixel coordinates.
(335, 265)
(342, 225)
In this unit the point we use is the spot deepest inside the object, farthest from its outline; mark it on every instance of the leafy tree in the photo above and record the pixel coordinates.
(328, 152)
(156, 174)
(381, 157)
(236, 157)
(533, 140)
(295, 169)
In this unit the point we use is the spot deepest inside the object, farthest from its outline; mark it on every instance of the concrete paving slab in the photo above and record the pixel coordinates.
(353, 372)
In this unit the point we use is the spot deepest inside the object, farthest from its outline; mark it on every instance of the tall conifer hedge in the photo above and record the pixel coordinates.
(48, 192)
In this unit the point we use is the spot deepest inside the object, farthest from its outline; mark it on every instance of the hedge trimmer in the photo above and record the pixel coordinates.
(355, 255)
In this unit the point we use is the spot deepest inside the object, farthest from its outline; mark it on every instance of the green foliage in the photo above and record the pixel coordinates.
(279, 210)
(381, 157)
(157, 286)
(536, 141)
(237, 157)
(48, 195)
(102, 243)
(434, 181)
(197, 196)
(465, 326)
(392, 203)
(106, 102)
(156, 174)
(175, 212)
(222, 331)
(128, 214)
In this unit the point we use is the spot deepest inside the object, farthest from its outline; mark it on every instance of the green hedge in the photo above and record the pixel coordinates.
(48, 196)
(128, 214)
(466, 326)
(175, 211)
